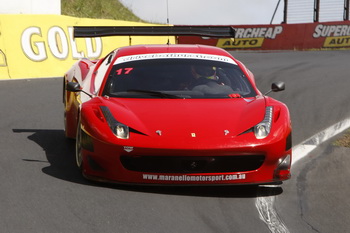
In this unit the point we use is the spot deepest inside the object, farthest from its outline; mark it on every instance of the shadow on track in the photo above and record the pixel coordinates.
(60, 155)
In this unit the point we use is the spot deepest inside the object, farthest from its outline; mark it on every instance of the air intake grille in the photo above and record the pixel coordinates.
(188, 164)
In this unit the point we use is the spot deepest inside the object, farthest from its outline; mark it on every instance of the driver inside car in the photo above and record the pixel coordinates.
(205, 80)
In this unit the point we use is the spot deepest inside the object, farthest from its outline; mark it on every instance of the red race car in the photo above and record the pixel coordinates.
(174, 115)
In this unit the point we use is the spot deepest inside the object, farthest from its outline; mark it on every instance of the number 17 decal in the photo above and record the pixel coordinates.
(124, 71)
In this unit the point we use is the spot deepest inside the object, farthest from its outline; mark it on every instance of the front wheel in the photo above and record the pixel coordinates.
(78, 148)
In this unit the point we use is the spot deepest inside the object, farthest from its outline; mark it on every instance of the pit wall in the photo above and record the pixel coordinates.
(33, 46)
(327, 35)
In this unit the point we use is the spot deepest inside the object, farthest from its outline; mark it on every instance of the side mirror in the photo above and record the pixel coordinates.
(73, 87)
(276, 87)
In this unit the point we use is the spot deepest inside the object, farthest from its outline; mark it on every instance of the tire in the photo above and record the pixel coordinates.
(78, 148)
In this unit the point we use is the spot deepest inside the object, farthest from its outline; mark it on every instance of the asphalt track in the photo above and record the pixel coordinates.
(42, 191)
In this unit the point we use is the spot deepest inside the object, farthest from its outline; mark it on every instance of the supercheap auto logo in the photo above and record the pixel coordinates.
(252, 37)
(335, 35)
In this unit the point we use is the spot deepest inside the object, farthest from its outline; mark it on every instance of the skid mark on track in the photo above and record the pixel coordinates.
(269, 215)
(266, 205)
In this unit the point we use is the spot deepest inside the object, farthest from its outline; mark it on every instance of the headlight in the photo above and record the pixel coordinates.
(120, 130)
(262, 129)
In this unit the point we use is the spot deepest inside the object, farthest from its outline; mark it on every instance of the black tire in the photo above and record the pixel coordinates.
(78, 148)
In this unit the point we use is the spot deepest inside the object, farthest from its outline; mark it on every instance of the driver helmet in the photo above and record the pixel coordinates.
(207, 72)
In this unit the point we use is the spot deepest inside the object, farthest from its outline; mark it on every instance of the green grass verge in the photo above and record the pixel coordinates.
(344, 140)
(97, 9)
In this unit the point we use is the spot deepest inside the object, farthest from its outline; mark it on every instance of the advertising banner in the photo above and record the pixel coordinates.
(43, 45)
(283, 37)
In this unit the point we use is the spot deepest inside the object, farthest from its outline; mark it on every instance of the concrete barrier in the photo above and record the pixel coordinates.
(33, 46)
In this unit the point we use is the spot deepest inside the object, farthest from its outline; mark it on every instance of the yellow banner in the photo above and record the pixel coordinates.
(43, 45)
(240, 43)
(338, 41)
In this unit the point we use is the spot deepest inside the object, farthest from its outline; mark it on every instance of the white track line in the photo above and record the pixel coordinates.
(304, 148)
(265, 205)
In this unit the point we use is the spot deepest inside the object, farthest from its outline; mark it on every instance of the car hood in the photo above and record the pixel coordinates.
(188, 117)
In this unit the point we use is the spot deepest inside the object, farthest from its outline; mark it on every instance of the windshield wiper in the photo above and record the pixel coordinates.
(155, 93)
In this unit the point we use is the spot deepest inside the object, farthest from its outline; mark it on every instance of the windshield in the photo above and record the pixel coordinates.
(177, 78)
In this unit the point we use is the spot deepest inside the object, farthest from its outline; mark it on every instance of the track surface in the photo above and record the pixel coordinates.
(42, 191)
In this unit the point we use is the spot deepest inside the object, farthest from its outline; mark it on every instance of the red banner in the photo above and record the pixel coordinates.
(282, 37)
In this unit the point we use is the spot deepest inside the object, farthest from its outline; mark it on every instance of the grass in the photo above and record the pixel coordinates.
(344, 140)
(101, 9)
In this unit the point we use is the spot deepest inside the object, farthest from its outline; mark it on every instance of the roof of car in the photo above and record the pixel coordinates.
(176, 48)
